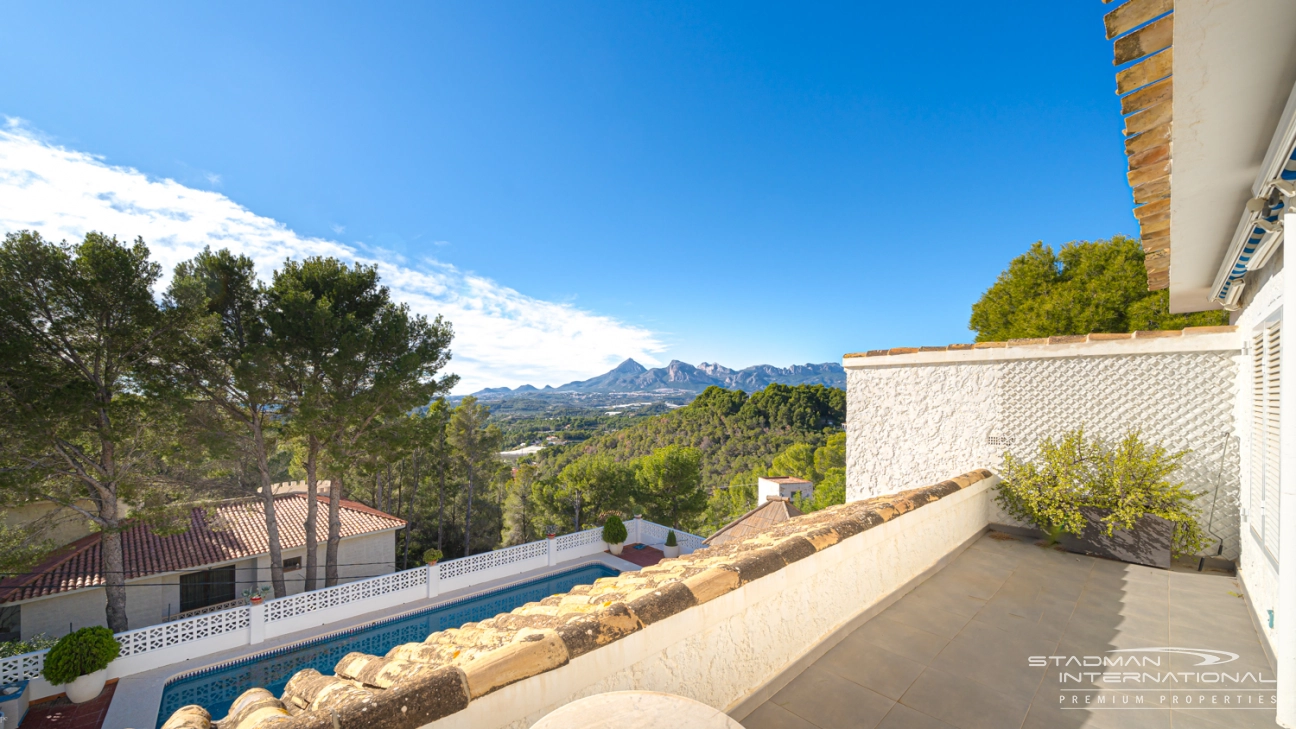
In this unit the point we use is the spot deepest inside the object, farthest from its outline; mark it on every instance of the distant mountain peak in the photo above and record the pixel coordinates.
(682, 378)
(630, 366)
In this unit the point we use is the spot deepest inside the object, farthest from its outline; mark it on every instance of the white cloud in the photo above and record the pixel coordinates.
(502, 337)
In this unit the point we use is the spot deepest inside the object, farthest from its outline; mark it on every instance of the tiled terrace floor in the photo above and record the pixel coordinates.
(63, 714)
(641, 554)
(954, 651)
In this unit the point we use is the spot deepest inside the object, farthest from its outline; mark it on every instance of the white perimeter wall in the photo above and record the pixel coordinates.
(720, 652)
(916, 418)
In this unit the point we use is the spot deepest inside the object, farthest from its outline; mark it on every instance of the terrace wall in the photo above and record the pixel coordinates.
(914, 415)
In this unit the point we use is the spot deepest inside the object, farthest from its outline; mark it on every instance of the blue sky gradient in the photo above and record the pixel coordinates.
(750, 182)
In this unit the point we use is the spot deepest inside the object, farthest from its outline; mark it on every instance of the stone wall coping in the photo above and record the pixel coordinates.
(1192, 339)
(418, 683)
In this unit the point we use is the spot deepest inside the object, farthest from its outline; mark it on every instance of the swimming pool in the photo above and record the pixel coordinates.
(216, 688)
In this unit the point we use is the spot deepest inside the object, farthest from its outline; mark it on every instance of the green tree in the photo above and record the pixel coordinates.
(228, 365)
(518, 506)
(798, 461)
(357, 356)
(670, 484)
(87, 414)
(1086, 287)
(593, 484)
(476, 445)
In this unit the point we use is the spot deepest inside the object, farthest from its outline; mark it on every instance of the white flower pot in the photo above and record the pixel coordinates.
(87, 687)
(616, 548)
(671, 551)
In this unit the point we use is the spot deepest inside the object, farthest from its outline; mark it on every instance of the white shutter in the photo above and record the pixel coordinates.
(1273, 366)
(1266, 362)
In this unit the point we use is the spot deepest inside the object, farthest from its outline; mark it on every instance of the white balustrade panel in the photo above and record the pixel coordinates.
(577, 540)
(457, 574)
(309, 609)
(159, 645)
(21, 667)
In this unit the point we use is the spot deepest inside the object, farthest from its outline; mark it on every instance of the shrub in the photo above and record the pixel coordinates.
(614, 532)
(670, 539)
(80, 653)
(432, 555)
(1128, 480)
(38, 642)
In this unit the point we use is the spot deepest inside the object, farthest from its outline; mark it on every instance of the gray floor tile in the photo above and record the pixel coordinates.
(872, 667)
(903, 717)
(995, 659)
(963, 703)
(929, 614)
(829, 701)
(912, 643)
(772, 716)
(1225, 718)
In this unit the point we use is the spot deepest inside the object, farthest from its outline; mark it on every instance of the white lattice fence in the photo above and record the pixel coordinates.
(22, 667)
(295, 605)
(157, 637)
(491, 560)
(578, 539)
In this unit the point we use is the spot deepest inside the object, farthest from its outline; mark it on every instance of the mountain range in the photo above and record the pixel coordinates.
(630, 377)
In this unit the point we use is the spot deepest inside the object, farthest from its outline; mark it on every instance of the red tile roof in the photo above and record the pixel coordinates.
(229, 531)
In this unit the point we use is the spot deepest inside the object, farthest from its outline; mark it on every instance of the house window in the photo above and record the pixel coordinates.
(10, 623)
(1266, 360)
(209, 587)
(292, 564)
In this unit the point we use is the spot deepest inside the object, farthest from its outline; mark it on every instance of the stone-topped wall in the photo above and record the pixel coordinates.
(713, 625)
(913, 414)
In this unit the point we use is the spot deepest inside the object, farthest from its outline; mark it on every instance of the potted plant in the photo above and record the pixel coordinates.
(614, 533)
(1112, 499)
(256, 595)
(432, 556)
(672, 546)
(79, 662)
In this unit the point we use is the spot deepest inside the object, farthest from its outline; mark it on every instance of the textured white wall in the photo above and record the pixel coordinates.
(922, 422)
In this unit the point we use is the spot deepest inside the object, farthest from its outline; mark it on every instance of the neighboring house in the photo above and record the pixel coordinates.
(775, 510)
(224, 552)
(782, 486)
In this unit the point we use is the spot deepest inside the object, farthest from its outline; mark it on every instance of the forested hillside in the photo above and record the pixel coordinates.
(738, 438)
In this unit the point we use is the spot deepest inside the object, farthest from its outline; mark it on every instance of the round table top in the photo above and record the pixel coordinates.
(636, 710)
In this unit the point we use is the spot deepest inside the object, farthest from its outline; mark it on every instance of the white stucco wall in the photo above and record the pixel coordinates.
(916, 418)
(724, 650)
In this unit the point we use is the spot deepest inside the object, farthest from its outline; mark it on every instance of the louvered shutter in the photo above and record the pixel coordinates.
(1266, 363)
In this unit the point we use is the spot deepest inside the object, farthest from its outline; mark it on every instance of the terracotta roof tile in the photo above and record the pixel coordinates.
(235, 530)
(766, 515)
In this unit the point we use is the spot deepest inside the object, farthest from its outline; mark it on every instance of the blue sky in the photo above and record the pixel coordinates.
(735, 182)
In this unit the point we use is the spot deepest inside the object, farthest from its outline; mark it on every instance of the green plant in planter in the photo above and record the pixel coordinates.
(80, 653)
(670, 539)
(614, 532)
(432, 555)
(1128, 479)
